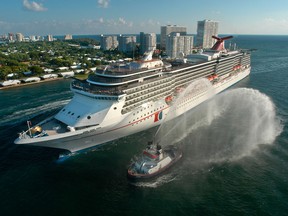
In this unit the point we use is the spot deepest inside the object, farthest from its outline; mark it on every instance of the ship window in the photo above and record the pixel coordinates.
(88, 117)
(72, 114)
(69, 112)
(78, 116)
(116, 108)
(63, 110)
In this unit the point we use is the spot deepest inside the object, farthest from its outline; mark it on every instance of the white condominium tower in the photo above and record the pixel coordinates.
(147, 42)
(167, 30)
(205, 30)
(19, 37)
(126, 43)
(108, 42)
(177, 45)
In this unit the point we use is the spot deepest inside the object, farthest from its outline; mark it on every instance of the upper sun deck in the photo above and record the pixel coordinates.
(145, 65)
(130, 69)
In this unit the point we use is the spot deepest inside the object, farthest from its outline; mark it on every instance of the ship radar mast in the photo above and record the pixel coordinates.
(219, 45)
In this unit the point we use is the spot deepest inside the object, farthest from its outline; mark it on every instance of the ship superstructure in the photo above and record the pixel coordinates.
(122, 99)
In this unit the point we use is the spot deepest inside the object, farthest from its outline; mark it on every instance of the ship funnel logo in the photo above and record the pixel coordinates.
(158, 116)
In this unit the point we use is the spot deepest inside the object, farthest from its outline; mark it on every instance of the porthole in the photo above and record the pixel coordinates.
(88, 117)
(78, 116)
(116, 108)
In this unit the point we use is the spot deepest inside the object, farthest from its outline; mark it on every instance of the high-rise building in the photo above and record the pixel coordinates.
(147, 42)
(177, 45)
(108, 42)
(205, 30)
(32, 38)
(68, 37)
(19, 37)
(11, 37)
(126, 43)
(167, 30)
(50, 37)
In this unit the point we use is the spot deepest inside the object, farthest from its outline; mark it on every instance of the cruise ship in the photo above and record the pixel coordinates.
(122, 99)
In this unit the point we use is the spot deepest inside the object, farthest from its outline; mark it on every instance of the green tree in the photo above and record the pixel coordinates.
(4, 71)
(37, 70)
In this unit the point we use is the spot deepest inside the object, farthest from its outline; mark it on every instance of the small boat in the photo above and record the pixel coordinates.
(153, 161)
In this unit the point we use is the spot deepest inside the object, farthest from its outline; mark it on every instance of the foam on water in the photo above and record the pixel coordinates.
(154, 183)
(25, 114)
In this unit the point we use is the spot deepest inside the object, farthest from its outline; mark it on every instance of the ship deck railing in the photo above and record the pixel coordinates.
(118, 90)
(78, 85)
(112, 70)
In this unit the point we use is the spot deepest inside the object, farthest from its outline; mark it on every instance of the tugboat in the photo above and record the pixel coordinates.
(153, 161)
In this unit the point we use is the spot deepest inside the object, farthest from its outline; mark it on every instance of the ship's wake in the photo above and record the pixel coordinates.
(29, 113)
(157, 182)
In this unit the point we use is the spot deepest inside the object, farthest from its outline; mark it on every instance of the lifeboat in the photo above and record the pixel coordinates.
(210, 77)
(237, 67)
(168, 99)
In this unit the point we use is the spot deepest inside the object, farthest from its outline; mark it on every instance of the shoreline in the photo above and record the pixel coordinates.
(31, 83)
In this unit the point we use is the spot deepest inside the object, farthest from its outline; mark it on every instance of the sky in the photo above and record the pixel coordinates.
(89, 17)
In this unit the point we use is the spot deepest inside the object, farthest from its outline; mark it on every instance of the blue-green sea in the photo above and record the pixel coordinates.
(235, 153)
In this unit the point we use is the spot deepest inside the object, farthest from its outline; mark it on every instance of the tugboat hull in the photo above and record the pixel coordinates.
(171, 151)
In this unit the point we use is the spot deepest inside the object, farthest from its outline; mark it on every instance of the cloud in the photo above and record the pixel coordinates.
(122, 21)
(101, 20)
(33, 6)
(103, 3)
(150, 22)
(272, 25)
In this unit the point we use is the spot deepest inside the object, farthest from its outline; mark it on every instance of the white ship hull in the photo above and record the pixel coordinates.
(128, 124)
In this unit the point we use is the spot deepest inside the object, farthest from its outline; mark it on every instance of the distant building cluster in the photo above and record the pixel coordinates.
(19, 37)
(174, 40)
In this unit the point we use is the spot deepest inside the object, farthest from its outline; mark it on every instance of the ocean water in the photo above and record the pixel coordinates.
(235, 153)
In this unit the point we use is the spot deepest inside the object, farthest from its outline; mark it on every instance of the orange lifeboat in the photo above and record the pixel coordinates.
(210, 77)
(168, 99)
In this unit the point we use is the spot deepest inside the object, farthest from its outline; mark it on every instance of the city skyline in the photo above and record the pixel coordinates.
(43, 17)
